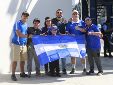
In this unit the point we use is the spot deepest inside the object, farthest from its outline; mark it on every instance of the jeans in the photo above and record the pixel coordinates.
(32, 55)
(63, 62)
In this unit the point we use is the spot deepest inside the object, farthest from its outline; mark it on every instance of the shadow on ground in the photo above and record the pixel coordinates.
(107, 64)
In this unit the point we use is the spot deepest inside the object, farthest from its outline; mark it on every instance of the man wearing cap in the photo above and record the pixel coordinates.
(19, 49)
(75, 26)
(30, 47)
(60, 22)
(54, 65)
(93, 46)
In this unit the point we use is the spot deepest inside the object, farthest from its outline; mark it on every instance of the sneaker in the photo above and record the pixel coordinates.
(23, 75)
(105, 55)
(100, 73)
(46, 73)
(110, 56)
(58, 75)
(72, 71)
(64, 71)
(90, 72)
(52, 74)
(29, 74)
(38, 73)
(13, 77)
(84, 72)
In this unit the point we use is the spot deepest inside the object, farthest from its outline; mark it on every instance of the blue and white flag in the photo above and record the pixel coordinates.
(50, 48)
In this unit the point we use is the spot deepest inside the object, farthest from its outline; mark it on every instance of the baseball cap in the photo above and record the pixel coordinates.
(25, 13)
(87, 18)
(75, 11)
(36, 20)
(54, 28)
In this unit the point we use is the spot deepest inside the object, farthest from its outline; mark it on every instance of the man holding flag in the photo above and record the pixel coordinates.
(30, 48)
(51, 48)
(76, 27)
(54, 65)
(60, 22)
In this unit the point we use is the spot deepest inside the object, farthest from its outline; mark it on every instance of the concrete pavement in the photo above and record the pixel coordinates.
(75, 79)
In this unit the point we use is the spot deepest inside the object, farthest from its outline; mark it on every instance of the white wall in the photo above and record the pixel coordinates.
(10, 11)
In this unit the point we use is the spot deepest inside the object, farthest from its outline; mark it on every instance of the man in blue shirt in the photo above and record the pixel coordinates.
(19, 40)
(93, 46)
(76, 27)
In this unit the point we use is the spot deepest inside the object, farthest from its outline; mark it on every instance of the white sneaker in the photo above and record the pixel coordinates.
(99, 73)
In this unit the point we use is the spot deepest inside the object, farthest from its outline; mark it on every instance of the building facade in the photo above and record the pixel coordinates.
(10, 11)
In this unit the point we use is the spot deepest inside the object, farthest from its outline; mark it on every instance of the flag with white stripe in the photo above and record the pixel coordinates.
(50, 48)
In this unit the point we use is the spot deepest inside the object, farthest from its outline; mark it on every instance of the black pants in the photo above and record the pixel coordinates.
(46, 66)
(94, 56)
(54, 67)
(107, 47)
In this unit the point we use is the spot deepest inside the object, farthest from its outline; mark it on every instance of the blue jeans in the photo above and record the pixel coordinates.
(63, 62)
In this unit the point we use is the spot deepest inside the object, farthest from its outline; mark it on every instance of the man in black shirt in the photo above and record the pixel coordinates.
(60, 22)
(107, 31)
(30, 47)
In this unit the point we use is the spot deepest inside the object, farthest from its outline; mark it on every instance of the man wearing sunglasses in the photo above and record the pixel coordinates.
(60, 22)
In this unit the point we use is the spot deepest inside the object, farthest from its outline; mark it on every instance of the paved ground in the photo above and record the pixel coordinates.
(75, 79)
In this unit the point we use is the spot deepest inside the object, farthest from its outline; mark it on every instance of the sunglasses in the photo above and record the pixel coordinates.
(48, 20)
(59, 12)
(88, 20)
(54, 30)
(75, 14)
(35, 23)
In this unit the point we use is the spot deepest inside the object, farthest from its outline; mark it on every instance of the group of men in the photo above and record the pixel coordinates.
(23, 48)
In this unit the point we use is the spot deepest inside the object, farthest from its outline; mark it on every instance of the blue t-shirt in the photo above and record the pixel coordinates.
(22, 27)
(93, 42)
(71, 27)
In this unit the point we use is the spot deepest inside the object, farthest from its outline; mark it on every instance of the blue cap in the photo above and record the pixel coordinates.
(87, 18)
(54, 28)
